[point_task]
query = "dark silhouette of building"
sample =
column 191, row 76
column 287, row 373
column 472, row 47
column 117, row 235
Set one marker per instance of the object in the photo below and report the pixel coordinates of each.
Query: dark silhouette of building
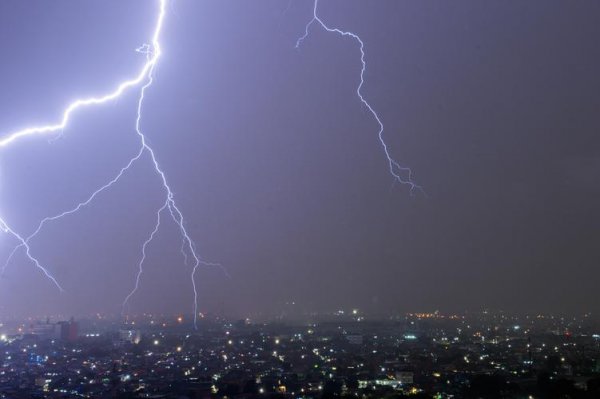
column 69, row 330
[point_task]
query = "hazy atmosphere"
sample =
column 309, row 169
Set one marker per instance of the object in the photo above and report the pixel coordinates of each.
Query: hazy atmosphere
column 277, row 166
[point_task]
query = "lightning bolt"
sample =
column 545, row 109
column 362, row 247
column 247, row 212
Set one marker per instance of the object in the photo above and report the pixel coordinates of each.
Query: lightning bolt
column 401, row 174
column 23, row 243
column 144, row 78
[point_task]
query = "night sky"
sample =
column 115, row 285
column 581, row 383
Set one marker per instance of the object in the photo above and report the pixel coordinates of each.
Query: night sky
column 276, row 164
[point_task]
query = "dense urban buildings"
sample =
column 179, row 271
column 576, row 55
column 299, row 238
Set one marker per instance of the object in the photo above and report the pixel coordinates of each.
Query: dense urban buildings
column 343, row 354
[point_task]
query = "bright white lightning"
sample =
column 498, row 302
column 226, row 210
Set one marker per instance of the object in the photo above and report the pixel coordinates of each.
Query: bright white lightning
column 153, row 52
column 121, row 88
column 145, row 76
column 400, row 173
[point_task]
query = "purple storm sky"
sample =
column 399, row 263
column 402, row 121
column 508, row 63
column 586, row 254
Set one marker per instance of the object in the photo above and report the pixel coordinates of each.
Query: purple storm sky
column 277, row 165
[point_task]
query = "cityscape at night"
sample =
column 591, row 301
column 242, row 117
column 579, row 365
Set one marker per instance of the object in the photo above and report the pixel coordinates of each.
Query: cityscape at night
column 299, row 199
column 341, row 354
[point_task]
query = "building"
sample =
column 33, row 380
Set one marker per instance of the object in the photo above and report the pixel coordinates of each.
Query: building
column 69, row 330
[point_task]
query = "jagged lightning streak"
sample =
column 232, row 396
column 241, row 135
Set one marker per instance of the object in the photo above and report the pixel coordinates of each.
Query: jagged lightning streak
column 152, row 52
column 401, row 174
column 23, row 243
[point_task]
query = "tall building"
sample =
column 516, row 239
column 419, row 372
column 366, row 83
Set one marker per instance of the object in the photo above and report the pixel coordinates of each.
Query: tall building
column 69, row 330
